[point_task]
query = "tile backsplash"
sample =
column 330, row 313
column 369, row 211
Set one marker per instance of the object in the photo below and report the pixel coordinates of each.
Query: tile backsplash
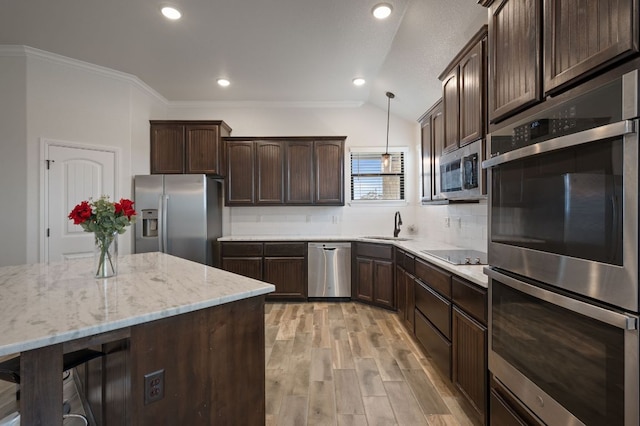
column 463, row 225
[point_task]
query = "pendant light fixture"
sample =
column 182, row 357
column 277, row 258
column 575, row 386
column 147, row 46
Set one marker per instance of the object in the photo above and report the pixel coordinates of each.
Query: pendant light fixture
column 386, row 157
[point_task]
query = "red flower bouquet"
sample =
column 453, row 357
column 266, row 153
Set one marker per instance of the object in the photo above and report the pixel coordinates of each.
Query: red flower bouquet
column 106, row 220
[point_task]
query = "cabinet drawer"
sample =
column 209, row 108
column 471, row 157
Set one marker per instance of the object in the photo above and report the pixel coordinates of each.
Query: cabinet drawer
column 241, row 249
column 472, row 299
column 434, row 307
column 501, row 414
column 409, row 263
column 436, row 278
column 507, row 410
column 381, row 251
column 285, row 249
column 247, row 266
column 400, row 258
column 434, row 343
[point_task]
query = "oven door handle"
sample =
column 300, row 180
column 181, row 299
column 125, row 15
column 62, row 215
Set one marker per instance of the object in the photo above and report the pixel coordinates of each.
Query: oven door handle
column 615, row 319
column 612, row 130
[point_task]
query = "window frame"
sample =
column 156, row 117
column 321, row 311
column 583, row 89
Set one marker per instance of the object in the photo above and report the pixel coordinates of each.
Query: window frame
column 379, row 151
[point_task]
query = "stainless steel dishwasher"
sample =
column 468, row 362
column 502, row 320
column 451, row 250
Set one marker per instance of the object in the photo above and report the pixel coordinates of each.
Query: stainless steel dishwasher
column 329, row 269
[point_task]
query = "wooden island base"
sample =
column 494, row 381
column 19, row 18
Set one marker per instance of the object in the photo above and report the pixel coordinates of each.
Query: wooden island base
column 213, row 361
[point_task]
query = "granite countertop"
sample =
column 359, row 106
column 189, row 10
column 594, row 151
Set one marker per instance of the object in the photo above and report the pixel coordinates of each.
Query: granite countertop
column 414, row 245
column 48, row 304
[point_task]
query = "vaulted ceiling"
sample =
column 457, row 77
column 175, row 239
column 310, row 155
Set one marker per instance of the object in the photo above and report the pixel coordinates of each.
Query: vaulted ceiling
column 275, row 52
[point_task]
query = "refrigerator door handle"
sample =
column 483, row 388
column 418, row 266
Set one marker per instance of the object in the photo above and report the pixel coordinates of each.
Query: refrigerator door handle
column 161, row 221
column 165, row 209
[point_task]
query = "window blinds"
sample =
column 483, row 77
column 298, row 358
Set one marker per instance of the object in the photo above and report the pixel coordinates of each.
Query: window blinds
column 368, row 182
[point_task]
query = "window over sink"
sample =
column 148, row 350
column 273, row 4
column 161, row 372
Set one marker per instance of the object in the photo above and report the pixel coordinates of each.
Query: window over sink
column 370, row 183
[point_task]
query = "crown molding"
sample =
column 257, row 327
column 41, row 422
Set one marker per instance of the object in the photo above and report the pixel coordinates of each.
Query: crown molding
column 26, row 51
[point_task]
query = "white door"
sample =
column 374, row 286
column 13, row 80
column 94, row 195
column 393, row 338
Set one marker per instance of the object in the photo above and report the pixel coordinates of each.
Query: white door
column 74, row 175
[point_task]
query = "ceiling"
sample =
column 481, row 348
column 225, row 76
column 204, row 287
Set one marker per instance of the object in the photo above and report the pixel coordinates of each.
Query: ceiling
column 275, row 52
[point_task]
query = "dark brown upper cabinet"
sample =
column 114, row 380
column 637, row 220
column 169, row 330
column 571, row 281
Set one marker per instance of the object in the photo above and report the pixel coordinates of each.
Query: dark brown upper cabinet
column 240, row 174
column 451, row 105
column 581, row 37
column 187, row 146
column 514, row 57
column 578, row 39
column 426, row 146
column 284, row 171
column 432, row 145
column 299, row 173
column 270, row 158
column 437, row 126
column 329, row 172
column 472, row 82
column 167, row 148
column 464, row 94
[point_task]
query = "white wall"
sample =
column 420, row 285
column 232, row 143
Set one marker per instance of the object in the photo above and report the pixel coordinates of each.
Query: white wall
column 13, row 160
column 76, row 102
column 364, row 126
column 467, row 224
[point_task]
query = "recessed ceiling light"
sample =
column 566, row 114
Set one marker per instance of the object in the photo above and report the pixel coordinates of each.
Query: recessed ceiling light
column 223, row 82
column 382, row 10
column 359, row 81
column 171, row 13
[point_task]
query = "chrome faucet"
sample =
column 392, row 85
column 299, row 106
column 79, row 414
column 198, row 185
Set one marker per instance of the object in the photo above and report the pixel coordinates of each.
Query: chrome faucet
column 397, row 221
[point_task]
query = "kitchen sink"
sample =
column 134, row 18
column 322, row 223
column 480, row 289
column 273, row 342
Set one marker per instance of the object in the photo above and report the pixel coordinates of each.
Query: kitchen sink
column 380, row 237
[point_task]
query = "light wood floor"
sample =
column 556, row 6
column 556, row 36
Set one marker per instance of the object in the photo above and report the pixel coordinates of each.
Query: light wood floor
column 350, row 364
column 338, row 364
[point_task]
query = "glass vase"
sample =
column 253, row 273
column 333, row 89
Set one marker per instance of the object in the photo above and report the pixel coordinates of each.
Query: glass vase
column 105, row 255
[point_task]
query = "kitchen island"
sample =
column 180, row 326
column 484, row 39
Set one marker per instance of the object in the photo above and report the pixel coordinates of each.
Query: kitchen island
column 201, row 326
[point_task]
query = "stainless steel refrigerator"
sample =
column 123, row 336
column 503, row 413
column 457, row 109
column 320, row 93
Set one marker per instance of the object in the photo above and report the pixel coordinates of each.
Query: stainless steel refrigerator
column 179, row 215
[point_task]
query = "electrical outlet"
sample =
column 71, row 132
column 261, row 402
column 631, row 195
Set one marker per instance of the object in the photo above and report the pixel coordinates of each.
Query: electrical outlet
column 447, row 222
column 153, row 386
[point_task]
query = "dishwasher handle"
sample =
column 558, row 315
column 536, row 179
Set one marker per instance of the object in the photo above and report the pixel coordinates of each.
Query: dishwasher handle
column 328, row 248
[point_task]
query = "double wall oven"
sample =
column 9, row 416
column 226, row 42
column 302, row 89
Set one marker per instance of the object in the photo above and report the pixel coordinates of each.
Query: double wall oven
column 563, row 255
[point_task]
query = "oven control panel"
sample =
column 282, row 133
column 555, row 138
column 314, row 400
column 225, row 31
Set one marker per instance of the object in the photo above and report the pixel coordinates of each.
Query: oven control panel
column 591, row 109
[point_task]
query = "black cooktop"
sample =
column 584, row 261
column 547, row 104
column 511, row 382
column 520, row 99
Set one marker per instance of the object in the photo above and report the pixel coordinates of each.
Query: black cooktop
column 460, row 256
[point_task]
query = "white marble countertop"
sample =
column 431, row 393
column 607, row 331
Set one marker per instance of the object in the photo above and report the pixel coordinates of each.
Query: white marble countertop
column 414, row 245
column 48, row 304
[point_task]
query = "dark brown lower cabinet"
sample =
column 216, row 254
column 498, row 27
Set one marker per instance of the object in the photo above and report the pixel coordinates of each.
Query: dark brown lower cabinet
column 470, row 359
column 433, row 325
column 364, row 279
column 401, row 293
column 448, row 317
column 374, row 275
column 374, row 282
column 436, row 345
column 411, row 302
column 383, row 289
column 434, row 307
column 242, row 258
column 213, row 361
column 288, row 274
column 405, row 293
column 283, row 264
column 249, row 267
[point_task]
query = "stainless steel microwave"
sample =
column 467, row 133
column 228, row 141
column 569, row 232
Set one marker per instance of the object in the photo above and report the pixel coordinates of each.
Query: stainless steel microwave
column 461, row 176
